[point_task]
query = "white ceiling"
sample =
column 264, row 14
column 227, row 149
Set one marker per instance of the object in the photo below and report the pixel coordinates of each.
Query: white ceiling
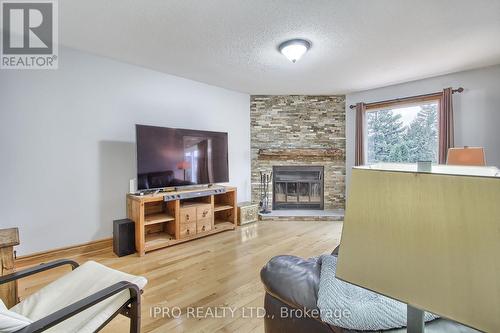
column 357, row 44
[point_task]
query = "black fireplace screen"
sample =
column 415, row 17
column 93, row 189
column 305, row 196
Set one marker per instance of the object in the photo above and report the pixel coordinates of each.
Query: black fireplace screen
column 298, row 187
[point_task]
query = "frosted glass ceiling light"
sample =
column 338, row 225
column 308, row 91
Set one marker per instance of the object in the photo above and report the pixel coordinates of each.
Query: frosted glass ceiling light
column 294, row 49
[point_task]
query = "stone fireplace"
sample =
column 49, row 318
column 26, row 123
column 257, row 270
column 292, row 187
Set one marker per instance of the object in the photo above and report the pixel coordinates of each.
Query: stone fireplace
column 298, row 187
column 291, row 134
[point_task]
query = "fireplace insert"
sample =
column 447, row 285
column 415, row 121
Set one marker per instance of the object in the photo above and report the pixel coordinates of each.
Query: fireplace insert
column 298, row 187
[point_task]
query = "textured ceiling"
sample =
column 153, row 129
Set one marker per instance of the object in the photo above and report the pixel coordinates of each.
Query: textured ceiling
column 357, row 45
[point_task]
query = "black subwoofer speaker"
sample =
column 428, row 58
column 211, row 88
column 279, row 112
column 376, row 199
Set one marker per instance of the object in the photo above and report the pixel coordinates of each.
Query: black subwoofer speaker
column 123, row 237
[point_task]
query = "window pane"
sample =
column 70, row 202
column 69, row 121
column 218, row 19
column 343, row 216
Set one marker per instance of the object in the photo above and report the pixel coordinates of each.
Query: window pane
column 403, row 134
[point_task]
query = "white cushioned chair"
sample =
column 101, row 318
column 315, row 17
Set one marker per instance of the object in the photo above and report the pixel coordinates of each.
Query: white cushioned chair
column 84, row 300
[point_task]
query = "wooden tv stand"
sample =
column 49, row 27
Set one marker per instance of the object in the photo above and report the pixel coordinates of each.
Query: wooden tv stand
column 159, row 224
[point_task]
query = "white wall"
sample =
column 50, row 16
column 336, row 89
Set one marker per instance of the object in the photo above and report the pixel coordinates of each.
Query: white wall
column 67, row 142
column 476, row 110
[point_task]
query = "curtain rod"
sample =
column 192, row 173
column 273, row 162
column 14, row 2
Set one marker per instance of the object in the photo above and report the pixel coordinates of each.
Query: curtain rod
column 396, row 100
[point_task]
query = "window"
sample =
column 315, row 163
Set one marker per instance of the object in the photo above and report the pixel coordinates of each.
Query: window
column 404, row 133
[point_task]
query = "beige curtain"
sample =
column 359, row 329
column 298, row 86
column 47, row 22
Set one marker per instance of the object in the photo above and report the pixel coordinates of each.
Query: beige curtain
column 360, row 120
column 446, row 129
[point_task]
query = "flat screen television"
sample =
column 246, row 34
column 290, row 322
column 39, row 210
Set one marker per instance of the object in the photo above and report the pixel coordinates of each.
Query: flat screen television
column 173, row 157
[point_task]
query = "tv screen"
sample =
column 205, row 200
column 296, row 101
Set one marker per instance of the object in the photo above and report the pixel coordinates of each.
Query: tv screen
column 172, row 157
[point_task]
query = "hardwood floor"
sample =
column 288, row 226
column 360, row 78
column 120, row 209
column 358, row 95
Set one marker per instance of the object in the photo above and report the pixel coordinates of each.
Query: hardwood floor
column 217, row 271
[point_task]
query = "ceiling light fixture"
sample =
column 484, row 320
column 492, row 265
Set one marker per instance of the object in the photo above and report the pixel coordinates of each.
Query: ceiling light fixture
column 294, row 49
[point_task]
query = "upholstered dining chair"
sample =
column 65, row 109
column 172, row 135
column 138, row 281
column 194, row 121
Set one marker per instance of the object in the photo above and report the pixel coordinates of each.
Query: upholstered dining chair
column 84, row 300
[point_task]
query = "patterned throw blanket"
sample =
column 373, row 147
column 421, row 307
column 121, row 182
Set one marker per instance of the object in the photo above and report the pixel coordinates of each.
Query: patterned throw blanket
column 345, row 305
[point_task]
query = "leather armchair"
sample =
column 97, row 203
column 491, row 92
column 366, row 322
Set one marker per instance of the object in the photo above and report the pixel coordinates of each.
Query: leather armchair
column 292, row 284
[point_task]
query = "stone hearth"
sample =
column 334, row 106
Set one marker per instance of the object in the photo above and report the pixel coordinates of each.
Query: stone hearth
column 304, row 215
column 300, row 131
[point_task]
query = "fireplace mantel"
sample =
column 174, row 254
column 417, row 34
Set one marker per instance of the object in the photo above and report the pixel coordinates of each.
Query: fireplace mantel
column 301, row 154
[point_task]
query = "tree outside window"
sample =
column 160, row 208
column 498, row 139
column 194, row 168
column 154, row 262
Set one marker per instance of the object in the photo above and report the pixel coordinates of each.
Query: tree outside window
column 403, row 133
